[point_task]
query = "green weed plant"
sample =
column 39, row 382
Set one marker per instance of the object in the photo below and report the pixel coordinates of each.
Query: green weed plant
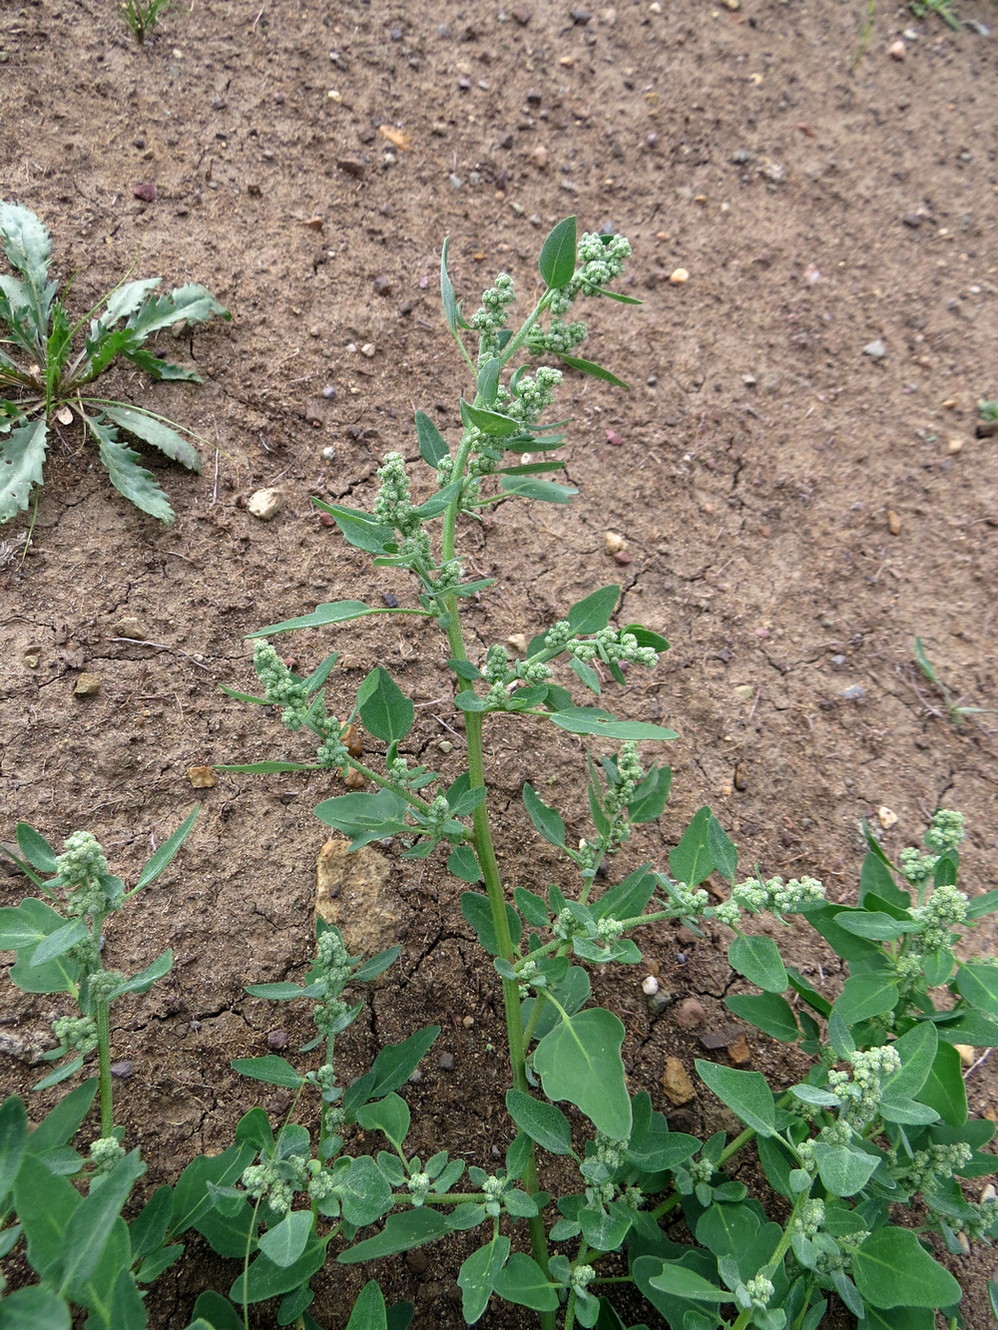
column 49, row 376
column 142, row 17
column 871, row 1155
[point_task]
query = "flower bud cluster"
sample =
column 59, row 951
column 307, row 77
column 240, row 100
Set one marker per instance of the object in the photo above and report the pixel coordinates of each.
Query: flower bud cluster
column 276, row 1181
column 105, row 1153
column 78, row 1033
column 775, row 895
column 916, row 866
column 686, row 901
column 559, row 338
column 491, row 317
column 80, row 869
column 530, row 395
column 610, row 645
column 861, row 1089
column 945, row 831
column 933, row 1165
column 320, row 1184
column 945, row 910
column 760, row 1290
column 281, row 689
column 810, row 1217
column 419, row 1186
column 492, row 1190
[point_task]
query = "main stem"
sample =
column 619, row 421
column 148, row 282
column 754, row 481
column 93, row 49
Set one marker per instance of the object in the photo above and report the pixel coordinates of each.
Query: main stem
column 102, row 1019
column 486, row 854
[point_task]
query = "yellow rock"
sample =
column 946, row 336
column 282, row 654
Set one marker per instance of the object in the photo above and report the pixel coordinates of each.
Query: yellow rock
column 676, row 1083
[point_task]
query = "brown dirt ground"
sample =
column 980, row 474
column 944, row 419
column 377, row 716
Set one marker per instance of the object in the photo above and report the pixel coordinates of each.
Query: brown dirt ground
column 795, row 511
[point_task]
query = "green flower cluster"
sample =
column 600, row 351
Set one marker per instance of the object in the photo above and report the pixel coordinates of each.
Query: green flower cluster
column 277, row 1181
column 945, row 910
column 611, row 646
column 105, row 1153
column 529, row 395
column 78, row 1033
column 334, row 966
column 945, row 831
column 490, row 318
column 282, row 689
column 80, row 869
column 774, row 895
column 394, row 507
column 862, row 1089
column 601, row 260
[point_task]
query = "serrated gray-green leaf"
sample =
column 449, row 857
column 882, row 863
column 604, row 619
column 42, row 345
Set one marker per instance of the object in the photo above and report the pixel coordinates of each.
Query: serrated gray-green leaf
column 22, row 459
column 28, row 246
column 128, row 478
column 156, row 432
column 126, row 299
column 192, row 303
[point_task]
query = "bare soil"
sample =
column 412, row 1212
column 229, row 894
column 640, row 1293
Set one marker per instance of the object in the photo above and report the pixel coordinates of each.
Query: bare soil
column 795, row 510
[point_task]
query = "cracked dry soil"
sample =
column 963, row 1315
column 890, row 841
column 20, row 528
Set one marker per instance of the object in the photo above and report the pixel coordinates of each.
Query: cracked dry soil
column 794, row 511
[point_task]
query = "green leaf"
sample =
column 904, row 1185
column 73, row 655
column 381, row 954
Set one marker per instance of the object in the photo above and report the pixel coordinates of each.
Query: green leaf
column 917, row 1051
column 265, row 1279
column 432, row 444
column 463, row 863
column 59, row 942
column 369, row 1312
column 477, row 1277
column 759, row 960
column 727, row 1230
column 191, row 1197
column 364, row 817
column 155, row 432
column 144, row 980
column 590, row 720
column 746, row 1093
column 680, row 1282
column 28, row 246
column 866, row 995
column 35, row 848
column 61, row 1123
column 767, row 1012
column 979, row 906
column 402, row 1232
column 390, row 1116
column 477, row 911
column 944, row 1088
column 593, row 612
column 595, row 371
column 13, row 1143
column 873, row 924
column 542, row 491
column 579, row 1061
column 546, row 820
column 271, row 1069
column 164, row 855
column 45, row 1204
column 396, row 1062
column 34, row 1308
column 90, row 1225
column 22, row 459
column 339, row 611
column 385, row 710
column 489, row 422
column 214, row 1311
column 360, row 529
column 893, row 1269
column 842, row 1169
column 128, row 478
column 877, row 879
column 978, row 983
column 851, row 948
column 286, row 1242
column 192, row 303
column 452, row 310
column 692, row 861
column 542, row 1122
column 521, row 1280
column 557, row 259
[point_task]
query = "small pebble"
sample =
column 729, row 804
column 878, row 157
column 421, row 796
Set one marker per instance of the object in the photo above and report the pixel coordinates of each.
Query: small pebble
column 676, row 1083
column 876, row 349
column 613, row 542
column 893, row 522
column 446, row 1061
column 202, row 778
column 854, row 693
column 897, row 50
column 121, row 1070
column 613, row 438
column 518, row 641
column 265, row 504
column 131, row 628
column 691, row 1014
column 678, row 276
column 739, row 1051
column 87, row 685
column 886, row 816
column 649, row 985
column 146, row 191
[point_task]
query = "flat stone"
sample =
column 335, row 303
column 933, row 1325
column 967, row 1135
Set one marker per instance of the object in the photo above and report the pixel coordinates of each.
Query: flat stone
column 676, row 1083
column 266, row 504
column 87, row 685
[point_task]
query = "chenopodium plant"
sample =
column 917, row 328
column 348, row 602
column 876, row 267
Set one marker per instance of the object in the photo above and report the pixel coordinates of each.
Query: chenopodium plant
column 60, row 1209
column 635, row 1175
column 51, row 377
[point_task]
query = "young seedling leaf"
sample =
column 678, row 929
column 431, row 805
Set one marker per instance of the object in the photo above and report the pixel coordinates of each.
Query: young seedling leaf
column 271, row 1069
column 557, row 260
column 402, row 1232
column 593, row 370
column 594, row 612
column 579, row 1061
column 28, row 246
column 866, row 995
column 155, row 432
column 684, row 1283
column 128, row 478
column 767, row 1012
column 22, row 460
column 746, row 1093
column 286, row 1242
column 432, row 444
column 692, row 860
column 360, row 529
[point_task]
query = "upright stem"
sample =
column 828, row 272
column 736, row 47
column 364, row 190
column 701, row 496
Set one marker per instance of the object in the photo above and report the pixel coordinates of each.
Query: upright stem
column 103, row 1022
